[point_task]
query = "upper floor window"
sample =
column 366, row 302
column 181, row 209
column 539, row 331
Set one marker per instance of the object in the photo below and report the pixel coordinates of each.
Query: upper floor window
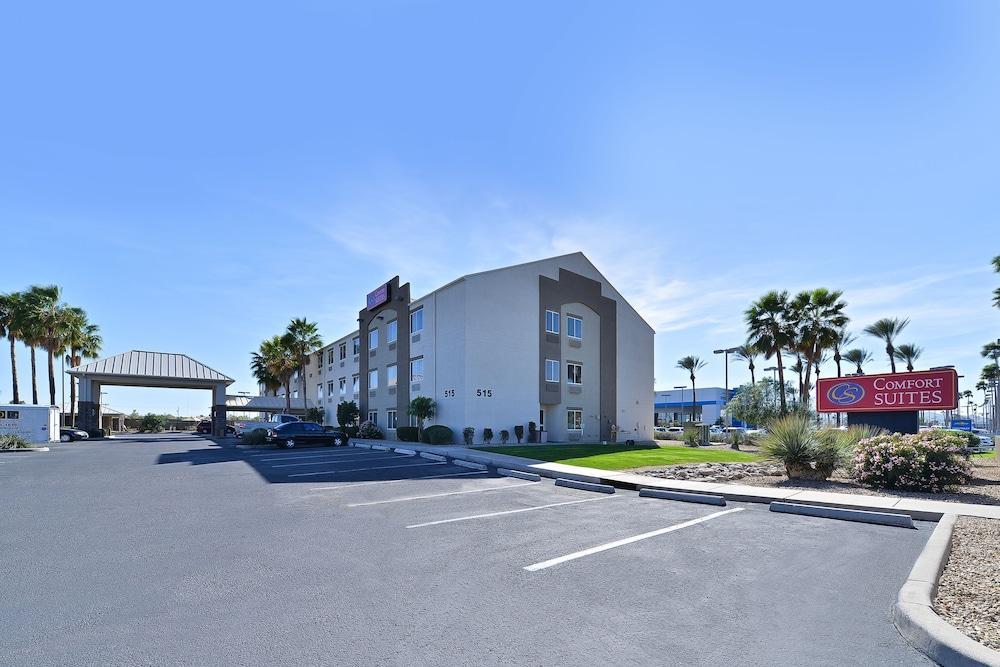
column 373, row 339
column 319, row 390
column 354, row 382
column 574, row 327
column 329, row 387
column 373, row 379
column 343, row 351
column 417, row 369
column 329, row 356
column 391, row 332
column 551, row 321
column 390, row 375
column 357, row 344
column 551, row 370
column 343, row 386
column 417, row 320
column 574, row 373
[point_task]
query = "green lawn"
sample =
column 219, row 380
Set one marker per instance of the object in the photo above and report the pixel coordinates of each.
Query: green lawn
column 620, row 457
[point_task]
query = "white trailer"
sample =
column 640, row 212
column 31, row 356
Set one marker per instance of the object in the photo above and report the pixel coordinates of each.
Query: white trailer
column 36, row 423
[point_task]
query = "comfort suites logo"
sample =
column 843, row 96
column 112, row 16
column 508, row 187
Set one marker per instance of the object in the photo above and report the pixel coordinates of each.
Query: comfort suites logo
column 845, row 393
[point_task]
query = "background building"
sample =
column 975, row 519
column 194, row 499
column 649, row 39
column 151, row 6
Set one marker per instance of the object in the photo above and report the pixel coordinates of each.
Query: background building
column 549, row 341
column 674, row 405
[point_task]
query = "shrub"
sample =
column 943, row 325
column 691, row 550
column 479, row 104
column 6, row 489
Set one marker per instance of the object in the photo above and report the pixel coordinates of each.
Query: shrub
column 807, row 453
column 256, row 437
column 151, row 424
column 407, row 433
column 347, row 413
column 14, row 441
column 928, row 461
column 468, row 434
column 370, row 431
column 661, row 436
column 488, row 435
column 519, row 432
column 438, row 435
column 314, row 414
column 504, row 436
column 691, row 438
column 351, row 431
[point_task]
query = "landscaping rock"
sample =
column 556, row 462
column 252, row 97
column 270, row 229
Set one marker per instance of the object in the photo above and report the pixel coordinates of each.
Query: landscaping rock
column 712, row 472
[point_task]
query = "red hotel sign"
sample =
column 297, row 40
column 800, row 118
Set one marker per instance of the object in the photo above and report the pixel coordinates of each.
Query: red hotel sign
column 378, row 297
column 920, row 390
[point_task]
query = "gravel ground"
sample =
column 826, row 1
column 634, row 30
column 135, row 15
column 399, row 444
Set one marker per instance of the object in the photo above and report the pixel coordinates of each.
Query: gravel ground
column 968, row 594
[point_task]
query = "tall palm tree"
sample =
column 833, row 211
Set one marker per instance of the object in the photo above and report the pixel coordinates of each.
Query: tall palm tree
column 909, row 353
column 263, row 371
column 83, row 341
column 767, row 331
column 967, row 395
column 842, row 341
column 11, row 306
column 819, row 317
column 692, row 365
column 996, row 292
column 888, row 329
column 302, row 339
column 31, row 328
column 859, row 358
column 747, row 353
column 52, row 321
column 280, row 364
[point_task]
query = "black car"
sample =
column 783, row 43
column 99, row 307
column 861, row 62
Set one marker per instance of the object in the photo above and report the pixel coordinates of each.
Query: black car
column 68, row 434
column 305, row 434
column 205, row 427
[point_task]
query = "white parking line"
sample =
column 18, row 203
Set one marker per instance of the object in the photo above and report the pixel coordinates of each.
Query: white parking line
column 334, row 462
column 326, row 472
column 518, row 511
column 352, row 485
column 292, row 454
column 627, row 540
column 439, row 495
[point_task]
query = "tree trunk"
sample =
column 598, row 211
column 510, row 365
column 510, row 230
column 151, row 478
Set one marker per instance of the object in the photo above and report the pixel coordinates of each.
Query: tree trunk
column 302, row 381
column 694, row 399
column 34, row 378
column 13, row 372
column 892, row 360
column 837, row 358
column 752, row 379
column 72, row 401
column 52, row 377
column 288, row 397
column 781, row 381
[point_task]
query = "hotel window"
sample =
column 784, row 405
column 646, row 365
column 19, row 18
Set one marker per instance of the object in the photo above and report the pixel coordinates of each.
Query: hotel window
column 319, row 390
column 574, row 373
column 417, row 320
column 329, row 356
column 373, row 416
column 574, row 327
column 354, row 381
column 551, row 322
column 574, row 420
column 390, row 420
column 357, row 344
column 343, row 387
column 373, row 339
column 390, row 375
column 329, row 387
column 551, row 370
column 414, row 422
column 417, row 369
column 391, row 332
column 343, row 351
column 373, row 379
column 295, row 394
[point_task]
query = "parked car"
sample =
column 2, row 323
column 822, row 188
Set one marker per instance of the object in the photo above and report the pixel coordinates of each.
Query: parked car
column 274, row 422
column 205, row 426
column 675, row 429
column 659, row 429
column 986, row 443
column 69, row 434
column 305, row 434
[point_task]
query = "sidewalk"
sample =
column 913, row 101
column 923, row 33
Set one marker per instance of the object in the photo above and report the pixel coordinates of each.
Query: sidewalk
column 926, row 510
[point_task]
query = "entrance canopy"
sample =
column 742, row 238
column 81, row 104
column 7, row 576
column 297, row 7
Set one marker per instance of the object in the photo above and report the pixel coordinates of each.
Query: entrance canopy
column 139, row 368
column 271, row 404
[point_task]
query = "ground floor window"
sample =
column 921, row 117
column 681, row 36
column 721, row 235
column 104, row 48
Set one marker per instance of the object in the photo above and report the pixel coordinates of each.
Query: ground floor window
column 390, row 420
column 329, row 388
column 373, row 416
column 574, row 419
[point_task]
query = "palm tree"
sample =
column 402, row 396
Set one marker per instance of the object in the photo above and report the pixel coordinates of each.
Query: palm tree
column 262, row 372
column 859, row 358
column 996, row 292
column 692, row 365
column 52, row 321
column 819, row 318
column 888, row 328
column 302, row 339
column 842, row 340
column 909, row 353
column 967, row 395
column 747, row 353
column 421, row 407
column 10, row 315
column 83, row 340
column 767, row 331
column 275, row 356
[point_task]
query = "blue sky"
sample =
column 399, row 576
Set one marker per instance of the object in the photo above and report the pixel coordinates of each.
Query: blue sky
column 195, row 174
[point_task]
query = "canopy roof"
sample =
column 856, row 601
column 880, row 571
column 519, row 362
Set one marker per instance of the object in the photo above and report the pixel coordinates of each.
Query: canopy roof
column 143, row 368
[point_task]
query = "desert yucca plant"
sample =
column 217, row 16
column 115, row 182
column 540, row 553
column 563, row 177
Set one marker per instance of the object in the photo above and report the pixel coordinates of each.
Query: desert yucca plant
column 806, row 452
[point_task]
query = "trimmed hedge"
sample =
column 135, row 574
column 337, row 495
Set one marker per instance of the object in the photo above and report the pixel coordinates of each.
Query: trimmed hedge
column 407, row 433
column 438, row 435
column 256, row 437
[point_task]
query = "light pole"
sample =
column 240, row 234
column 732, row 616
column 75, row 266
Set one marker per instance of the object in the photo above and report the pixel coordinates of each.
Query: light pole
column 726, row 351
column 774, row 376
column 681, row 387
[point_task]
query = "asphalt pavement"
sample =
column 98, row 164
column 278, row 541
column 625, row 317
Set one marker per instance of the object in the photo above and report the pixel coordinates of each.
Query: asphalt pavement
column 173, row 549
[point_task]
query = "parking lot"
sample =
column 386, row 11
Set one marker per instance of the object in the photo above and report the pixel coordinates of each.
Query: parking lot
column 172, row 549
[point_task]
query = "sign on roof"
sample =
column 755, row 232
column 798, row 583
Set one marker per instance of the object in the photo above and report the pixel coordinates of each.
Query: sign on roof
column 920, row 390
column 378, row 297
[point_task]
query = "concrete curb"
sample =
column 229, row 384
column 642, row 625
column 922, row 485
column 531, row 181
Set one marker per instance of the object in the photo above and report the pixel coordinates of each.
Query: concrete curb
column 469, row 464
column 862, row 516
column 703, row 498
column 584, row 486
column 401, row 450
column 383, row 448
column 432, row 457
column 530, row 476
column 24, row 450
column 914, row 614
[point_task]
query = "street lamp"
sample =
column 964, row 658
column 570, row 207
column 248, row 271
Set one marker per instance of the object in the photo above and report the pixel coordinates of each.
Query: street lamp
column 726, row 351
column 774, row 375
column 682, row 387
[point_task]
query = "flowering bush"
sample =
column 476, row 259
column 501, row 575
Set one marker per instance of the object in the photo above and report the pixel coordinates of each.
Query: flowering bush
column 928, row 461
column 370, row 431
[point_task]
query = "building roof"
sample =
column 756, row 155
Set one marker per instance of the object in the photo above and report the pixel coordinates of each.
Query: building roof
column 140, row 363
column 238, row 402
